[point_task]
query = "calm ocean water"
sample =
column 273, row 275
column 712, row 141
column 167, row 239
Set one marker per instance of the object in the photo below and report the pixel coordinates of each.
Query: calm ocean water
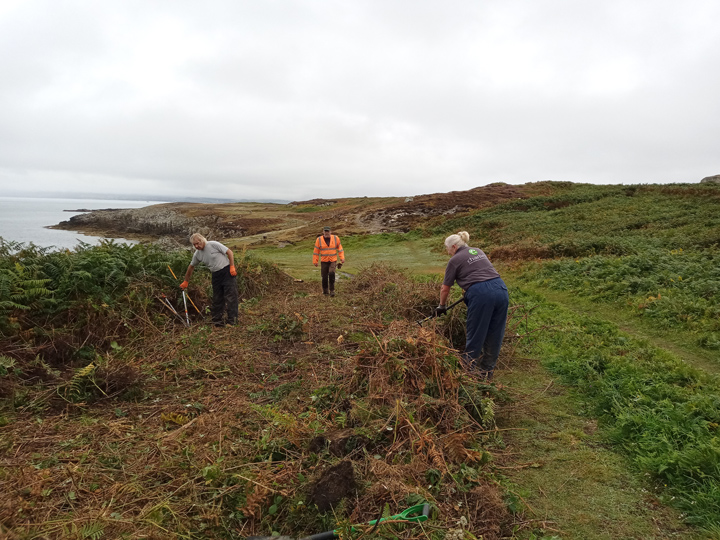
column 24, row 219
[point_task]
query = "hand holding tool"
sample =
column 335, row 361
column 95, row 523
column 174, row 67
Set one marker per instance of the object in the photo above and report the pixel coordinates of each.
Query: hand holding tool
column 440, row 310
column 184, row 285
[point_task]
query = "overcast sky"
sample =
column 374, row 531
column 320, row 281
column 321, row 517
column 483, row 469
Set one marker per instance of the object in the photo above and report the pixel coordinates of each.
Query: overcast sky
column 296, row 99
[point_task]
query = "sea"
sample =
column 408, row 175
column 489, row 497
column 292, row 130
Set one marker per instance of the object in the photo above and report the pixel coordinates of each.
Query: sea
column 26, row 220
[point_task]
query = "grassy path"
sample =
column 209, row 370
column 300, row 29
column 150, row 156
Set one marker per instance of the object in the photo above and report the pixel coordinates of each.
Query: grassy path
column 572, row 474
column 417, row 255
column 573, row 485
column 676, row 342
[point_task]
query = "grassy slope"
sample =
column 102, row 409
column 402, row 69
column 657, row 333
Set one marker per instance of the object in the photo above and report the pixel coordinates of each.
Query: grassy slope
column 580, row 487
column 682, row 344
column 582, row 221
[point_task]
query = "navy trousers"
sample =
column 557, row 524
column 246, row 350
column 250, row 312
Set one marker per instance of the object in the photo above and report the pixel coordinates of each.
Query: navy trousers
column 225, row 297
column 487, row 306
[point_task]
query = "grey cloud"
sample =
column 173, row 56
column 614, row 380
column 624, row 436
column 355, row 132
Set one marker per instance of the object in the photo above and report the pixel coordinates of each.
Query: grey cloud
column 370, row 98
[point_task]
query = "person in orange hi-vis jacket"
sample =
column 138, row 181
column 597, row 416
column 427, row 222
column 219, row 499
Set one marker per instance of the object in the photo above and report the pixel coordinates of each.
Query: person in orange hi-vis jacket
column 327, row 250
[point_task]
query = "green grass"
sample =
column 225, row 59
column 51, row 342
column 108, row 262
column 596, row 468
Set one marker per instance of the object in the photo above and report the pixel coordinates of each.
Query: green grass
column 410, row 251
column 663, row 414
column 675, row 289
column 626, row 317
column 573, row 484
column 589, row 220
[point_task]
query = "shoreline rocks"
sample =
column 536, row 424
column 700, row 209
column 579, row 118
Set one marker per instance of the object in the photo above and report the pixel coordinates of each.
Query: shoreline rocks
column 156, row 221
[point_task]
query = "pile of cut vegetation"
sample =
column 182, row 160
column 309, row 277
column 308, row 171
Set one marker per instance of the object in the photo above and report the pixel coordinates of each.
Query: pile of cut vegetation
column 313, row 414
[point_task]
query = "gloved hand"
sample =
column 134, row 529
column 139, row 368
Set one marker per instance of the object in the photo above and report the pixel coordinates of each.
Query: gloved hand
column 233, row 272
column 440, row 310
column 339, row 266
column 184, row 285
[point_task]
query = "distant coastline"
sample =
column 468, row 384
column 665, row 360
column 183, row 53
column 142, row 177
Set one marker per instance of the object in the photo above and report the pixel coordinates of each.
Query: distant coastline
column 151, row 199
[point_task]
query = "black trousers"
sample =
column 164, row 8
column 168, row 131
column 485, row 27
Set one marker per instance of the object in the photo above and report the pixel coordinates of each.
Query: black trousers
column 327, row 272
column 225, row 296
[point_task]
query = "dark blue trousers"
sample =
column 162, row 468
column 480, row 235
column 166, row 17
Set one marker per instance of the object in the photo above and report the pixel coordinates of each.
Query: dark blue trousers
column 487, row 306
column 225, row 297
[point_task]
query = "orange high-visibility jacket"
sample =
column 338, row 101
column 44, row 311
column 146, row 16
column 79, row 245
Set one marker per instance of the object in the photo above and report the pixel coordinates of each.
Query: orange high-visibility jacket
column 328, row 253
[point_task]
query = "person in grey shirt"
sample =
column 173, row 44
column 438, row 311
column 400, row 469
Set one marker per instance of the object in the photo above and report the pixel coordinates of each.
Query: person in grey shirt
column 219, row 259
column 487, row 302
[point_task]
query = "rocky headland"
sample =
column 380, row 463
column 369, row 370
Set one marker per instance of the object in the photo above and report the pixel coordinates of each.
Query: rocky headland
column 256, row 223
column 150, row 222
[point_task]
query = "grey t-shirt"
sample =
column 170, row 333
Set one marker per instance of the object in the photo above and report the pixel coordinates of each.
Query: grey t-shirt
column 213, row 255
column 469, row 265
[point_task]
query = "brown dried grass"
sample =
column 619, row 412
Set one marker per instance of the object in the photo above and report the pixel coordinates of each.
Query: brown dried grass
column 223, row 429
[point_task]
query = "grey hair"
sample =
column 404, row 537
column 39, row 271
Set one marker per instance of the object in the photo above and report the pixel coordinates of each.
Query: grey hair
column 197, row 236
column 460, row 239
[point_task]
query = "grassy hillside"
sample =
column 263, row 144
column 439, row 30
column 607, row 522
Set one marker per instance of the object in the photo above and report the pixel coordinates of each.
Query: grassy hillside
column 648, row 253
column 117, row 421
column 653, row 250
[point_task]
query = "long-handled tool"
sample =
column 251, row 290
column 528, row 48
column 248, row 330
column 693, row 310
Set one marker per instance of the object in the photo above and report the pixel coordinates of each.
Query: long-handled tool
column 426, row 319
column 166, row 302
column 414, row 514
column 186, row 313
column 188, row 294
column 193, row 303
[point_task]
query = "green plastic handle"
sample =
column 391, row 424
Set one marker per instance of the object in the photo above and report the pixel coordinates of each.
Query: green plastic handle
column 414, row 514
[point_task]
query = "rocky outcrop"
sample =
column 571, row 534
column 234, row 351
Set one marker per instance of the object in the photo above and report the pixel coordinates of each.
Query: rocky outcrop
column 402, row 217
column 711, row 179
column 156, row 220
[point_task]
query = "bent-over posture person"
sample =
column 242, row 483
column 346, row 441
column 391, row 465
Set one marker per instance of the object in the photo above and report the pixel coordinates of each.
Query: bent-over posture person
column 327, row 249
column 219, row 259
column 487, row 302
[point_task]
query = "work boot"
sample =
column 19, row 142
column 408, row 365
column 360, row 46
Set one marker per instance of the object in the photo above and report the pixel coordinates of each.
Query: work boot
column 325, row 291
column 485, row 375
column 332, row 292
